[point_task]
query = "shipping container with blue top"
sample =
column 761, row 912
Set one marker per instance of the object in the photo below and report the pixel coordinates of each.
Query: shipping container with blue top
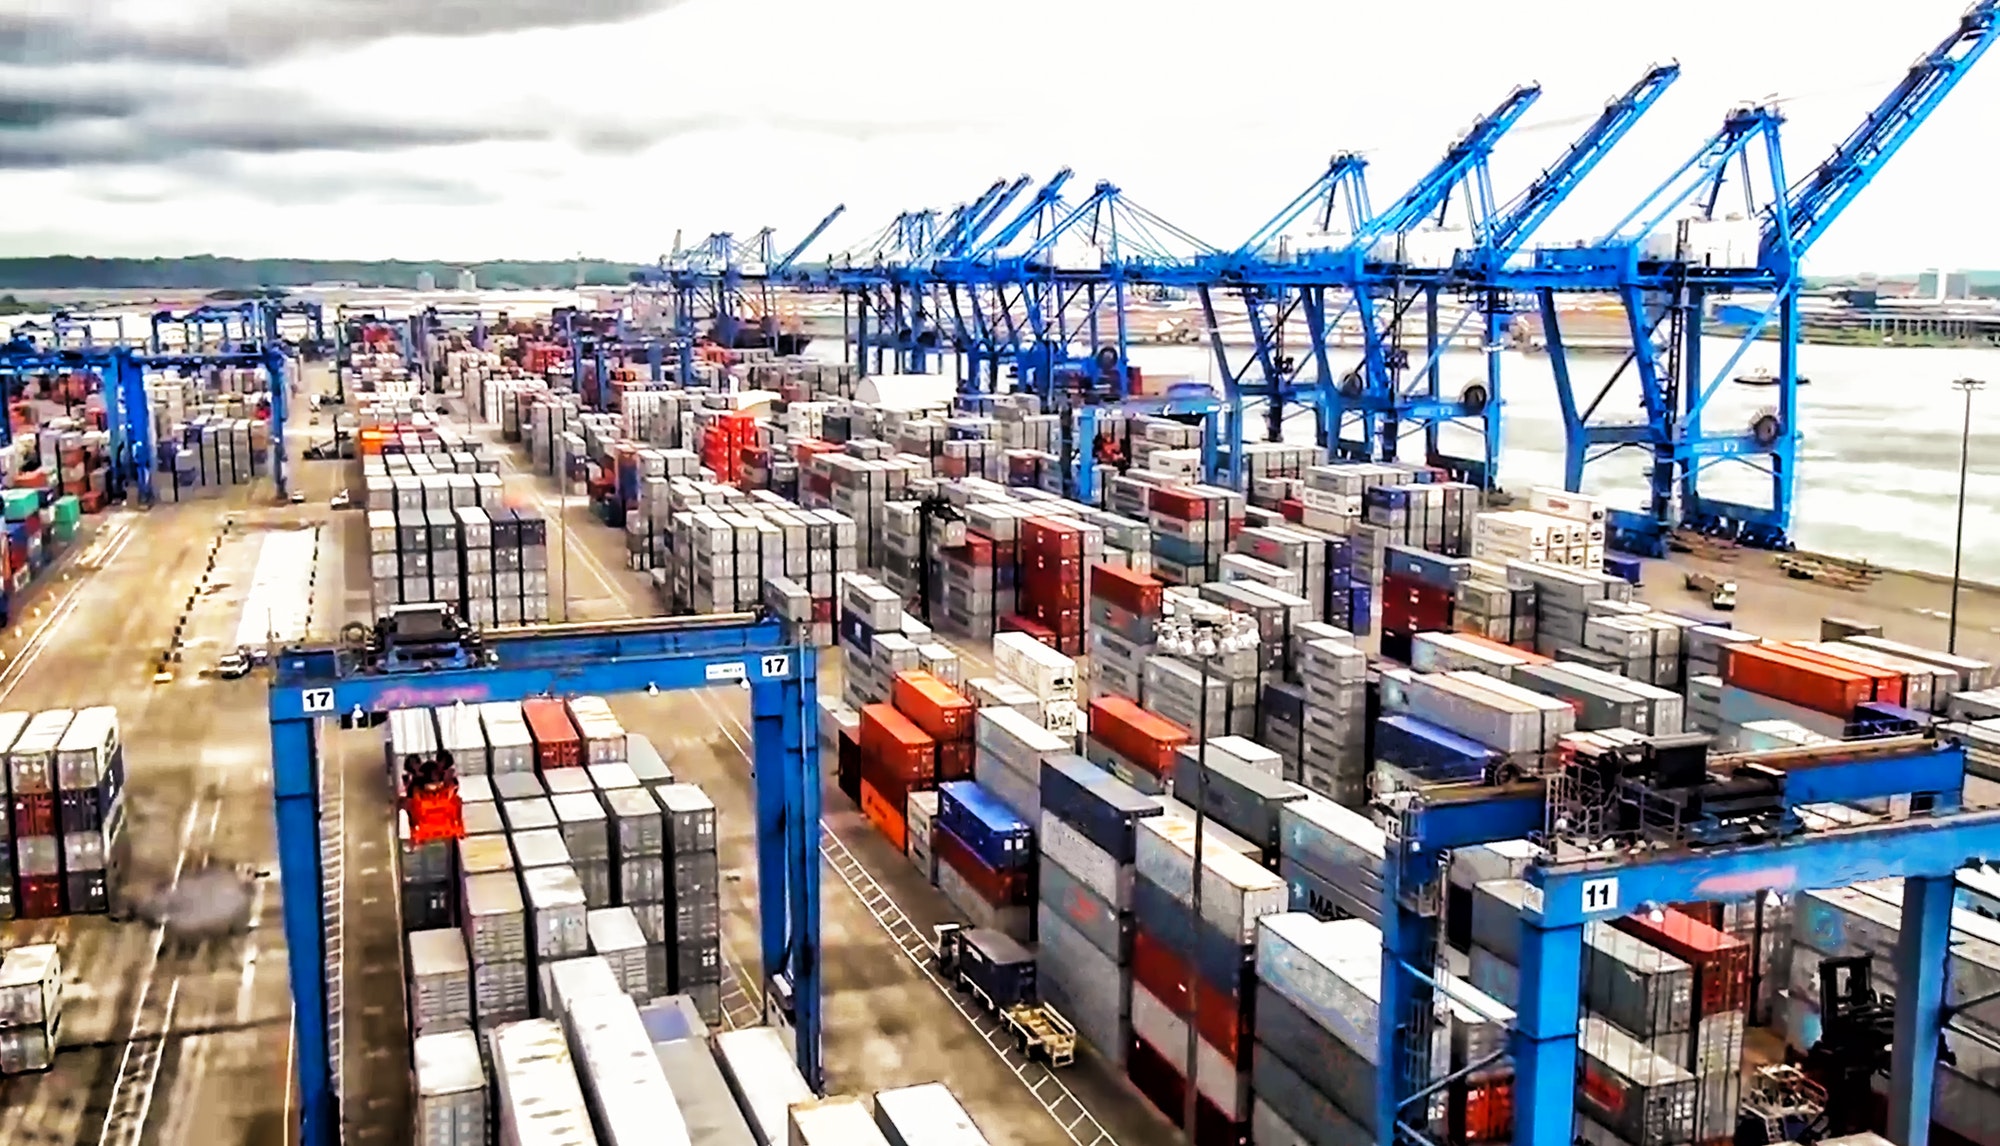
column 1003, row 840
column 1100, row 806
column 1424, row 749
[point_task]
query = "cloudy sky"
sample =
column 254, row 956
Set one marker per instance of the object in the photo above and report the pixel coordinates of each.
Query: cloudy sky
column 468, row 129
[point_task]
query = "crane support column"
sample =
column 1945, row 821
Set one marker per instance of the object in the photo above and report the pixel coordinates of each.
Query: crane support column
column 788, row 809
column 295, row 789
column 1921, row 948
column 1544, row 1044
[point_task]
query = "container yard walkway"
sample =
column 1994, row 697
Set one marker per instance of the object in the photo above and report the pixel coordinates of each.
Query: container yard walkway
column 885, row 1025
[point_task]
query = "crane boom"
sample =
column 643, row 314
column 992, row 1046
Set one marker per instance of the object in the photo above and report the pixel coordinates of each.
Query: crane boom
column 1472, row 149
column 1517, row 221
column 1814, row 202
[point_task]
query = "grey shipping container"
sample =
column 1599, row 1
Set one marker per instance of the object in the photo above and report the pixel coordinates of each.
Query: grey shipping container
column 1109, row 930
column 1322, row 1061
column 707, row 1106
column 764, row 1078
column 451, row 1090
column 1302, row 1109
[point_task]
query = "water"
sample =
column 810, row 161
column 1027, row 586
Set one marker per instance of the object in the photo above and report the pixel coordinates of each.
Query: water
column 1878, row 468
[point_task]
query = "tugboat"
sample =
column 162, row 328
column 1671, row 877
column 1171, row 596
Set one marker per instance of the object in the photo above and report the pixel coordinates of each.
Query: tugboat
column 1763, row 377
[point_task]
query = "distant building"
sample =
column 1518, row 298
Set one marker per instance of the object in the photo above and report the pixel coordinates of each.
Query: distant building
column 426, row 282
column 467, row 282
column 1944, row 286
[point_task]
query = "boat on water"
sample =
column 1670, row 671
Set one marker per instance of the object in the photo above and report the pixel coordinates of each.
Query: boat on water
column 1762, row 377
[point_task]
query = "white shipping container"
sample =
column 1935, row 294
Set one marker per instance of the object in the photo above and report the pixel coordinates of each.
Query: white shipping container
column 565, row 981
column 926, row 1115
column 833, row 1121
column 541, row 1100
column 509, row 745
column 31, row 986
column 764, row 1077
column 556, row 911
column 603, row 735
column 615, row 937
column 1449, row 702
column 621, row 1076
column 1016, row 741
column 493, row 918
column 1036, row 667
column 440, row 982
column 1332, row 972
column 451, row 1090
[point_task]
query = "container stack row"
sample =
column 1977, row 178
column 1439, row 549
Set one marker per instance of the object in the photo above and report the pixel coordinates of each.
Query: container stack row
column 493, row 567
column 209, row 455
column 31, row 1007
column 64, row 849
column 421, row 468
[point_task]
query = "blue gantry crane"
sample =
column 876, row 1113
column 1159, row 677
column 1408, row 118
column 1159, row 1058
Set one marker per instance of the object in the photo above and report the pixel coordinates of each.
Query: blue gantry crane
column 360, row 684
column 1683, row 248
column 1598, row 871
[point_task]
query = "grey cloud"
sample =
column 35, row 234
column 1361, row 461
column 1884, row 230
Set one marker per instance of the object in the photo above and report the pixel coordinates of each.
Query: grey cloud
column 238, row 33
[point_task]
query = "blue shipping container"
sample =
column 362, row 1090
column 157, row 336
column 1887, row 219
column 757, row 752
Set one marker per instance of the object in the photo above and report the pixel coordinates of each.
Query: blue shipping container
column 1423, row 748
column 1621, row 566
column 1001, row 839
column 1430, row 568
column 855, row 633
column 1100, row 806
column 1285, row 701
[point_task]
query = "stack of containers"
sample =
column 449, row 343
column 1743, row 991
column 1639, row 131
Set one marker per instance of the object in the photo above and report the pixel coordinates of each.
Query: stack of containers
column 1088, row 838
column 490, row 564
column 1317, row 1039
column 1586, row 515
column 1333, row 750
column 943, row 715
column 1717, row 1019
column 1192, row 526
column 1418, row 588
column 494, row 918
column 1331, row 860
column 693, row 940
column 1054, row 556
column 30, row 1007
column 1125, row 607
column 638, row 868
column 1050, row 675
column 1487, row 605
column 868, row 612
column 897, row 758
column 920, row 819
column 52, row 862
column 1008, row 756
column 1193, row 967
column 440, row 987
column 985, row 859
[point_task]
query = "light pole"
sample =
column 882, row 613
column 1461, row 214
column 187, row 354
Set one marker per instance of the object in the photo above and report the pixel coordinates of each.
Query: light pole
column 1967, row 387
column 1203, row 638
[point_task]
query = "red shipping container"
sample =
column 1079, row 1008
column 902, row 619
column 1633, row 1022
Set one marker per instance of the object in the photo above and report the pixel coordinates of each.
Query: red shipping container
column 897, row 745
column 1047, row 537
column 1721, row 962
column 932, row 705
column 954, row 761
column 886, row 819
column 1888, row 682
column 1146, row 739
column 1155, row 1077
column 1140, row 593
column 557, row 744
column 41, row 896
column 1020, row 623
column 1293, row 510
column 1223, row 1021
column 1178, row 501
column 34, row 814
column 1781, row 675
column 999, row 888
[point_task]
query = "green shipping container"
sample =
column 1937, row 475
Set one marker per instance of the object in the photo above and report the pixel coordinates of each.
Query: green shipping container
column 19, row 504
column 69, row 510
column 63, row 531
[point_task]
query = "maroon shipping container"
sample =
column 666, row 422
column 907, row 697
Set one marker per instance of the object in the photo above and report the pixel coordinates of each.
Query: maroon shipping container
column 954, row 761
column 34, row 815
column 1175, row 501
column 1155, row 1077
column 999, row 888
column 1139, row 593
column 41, row 896
column 1223, row 1019
column 1409, row 606
column 557, row 744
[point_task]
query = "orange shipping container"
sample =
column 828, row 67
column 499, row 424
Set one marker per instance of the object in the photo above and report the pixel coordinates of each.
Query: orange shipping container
column 1775, row 673
column 932, row 705
column 1145, row 739
column 886, row 819
column 1888, row 682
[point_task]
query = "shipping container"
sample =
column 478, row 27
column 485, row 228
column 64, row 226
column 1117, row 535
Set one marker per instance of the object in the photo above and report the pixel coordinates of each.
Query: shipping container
column 998, row 887
column 626, row 1090
column 540, row 1098
column 90, row 755
column 1721, row 962
column 556, row 912
column 998, row 966
column 1002, row 840
column 1789, row 677
column 451, row 1090
column 713, row 1118
column 648, row 766
column 556, row 743
column 1886, row 684
column 927, row 1114
column 1097, row 805
column 1244, row 799
column 1641, row 1097
column 1235, row 890
column 440, row 982
column 764, row 1077
column 31, row 761
column 932, row 705
column 510, row 745
column 839, row 1120
column 603, row 735
column 461, row 734
column 1146, row 739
